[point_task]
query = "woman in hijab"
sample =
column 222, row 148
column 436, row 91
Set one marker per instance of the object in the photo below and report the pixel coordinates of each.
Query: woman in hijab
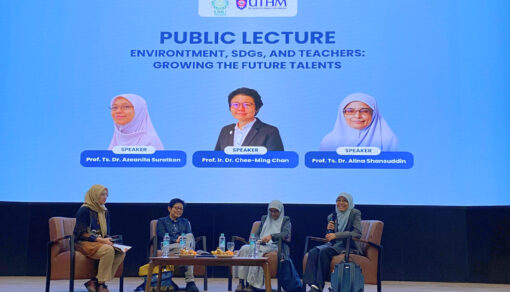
column 359, row 123
column 132, row 123
column 275, row 225
column 92, row 239
column 343, row 223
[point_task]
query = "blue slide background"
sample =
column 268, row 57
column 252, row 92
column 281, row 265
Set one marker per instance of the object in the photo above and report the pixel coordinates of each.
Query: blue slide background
column 438, row 69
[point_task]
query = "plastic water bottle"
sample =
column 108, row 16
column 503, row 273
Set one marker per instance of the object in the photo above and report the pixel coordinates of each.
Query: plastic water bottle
column 183, row 241
column 165, row 245
column 253, row 252
column 221, row 244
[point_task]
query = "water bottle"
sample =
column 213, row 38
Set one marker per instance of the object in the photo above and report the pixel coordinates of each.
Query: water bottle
column 221, row 244
column 253, row 252
column 257, row 248
column 165, row 245
column 183, row 241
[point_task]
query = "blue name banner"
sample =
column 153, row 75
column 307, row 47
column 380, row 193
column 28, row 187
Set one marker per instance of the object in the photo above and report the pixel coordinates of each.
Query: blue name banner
column 272, row 159
column 385, row 160
column 106, row 158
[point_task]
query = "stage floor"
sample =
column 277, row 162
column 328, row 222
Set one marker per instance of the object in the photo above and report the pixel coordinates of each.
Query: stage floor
column 12, row 284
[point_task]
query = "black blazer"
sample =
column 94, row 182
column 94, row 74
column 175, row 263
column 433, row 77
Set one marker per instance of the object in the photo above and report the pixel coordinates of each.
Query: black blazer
column 353, row 228
column 261, row 134
column 87, row 224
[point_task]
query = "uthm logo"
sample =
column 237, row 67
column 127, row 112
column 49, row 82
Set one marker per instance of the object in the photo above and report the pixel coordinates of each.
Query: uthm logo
column 266, row 3
column 241, row 4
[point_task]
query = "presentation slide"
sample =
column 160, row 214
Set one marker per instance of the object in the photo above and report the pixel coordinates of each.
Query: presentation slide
column 245, row 101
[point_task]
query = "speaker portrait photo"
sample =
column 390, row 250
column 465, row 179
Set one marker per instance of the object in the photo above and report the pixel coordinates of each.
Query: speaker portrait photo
column 359, row 124
column 132, row 124
column 244, row 104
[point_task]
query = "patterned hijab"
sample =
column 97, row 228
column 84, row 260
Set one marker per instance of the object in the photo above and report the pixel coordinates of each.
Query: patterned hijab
column 272, row 226
column 343, row 217
column 92, row 202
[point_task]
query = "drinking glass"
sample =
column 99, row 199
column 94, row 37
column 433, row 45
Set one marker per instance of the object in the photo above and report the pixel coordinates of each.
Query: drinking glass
column 230, row 246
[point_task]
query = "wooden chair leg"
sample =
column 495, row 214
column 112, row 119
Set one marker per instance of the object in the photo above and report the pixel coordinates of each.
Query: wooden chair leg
column 229, row 278
column 205, row 278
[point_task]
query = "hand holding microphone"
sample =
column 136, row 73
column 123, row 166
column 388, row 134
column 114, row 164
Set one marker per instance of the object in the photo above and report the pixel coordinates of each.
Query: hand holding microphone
column 331, row 224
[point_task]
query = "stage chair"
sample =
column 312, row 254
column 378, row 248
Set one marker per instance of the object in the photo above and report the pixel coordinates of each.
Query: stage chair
column 370, row 243
column 63, row 261
column 272, row 256
column 153, row 250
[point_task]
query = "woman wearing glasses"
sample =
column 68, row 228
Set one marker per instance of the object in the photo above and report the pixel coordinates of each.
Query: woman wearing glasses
column 132, row 123
column 344, row 223
column 359, row 123
column 274, row 226
column 244, row 104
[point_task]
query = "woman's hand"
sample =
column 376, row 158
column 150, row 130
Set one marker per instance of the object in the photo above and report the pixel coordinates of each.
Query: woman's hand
column 331, row 225
column 266, row 238
column 178, row 239
column 330, row 236
column 104, row 240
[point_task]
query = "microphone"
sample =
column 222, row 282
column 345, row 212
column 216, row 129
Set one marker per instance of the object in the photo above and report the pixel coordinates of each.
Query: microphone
column 333, row 218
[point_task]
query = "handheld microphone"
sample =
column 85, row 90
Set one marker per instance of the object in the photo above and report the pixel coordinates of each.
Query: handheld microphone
column 333, row 218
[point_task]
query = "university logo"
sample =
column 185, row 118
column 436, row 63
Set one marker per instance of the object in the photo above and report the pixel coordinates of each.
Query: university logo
column 247, row 8
column 266, row 4
column 220, row 7
column 241, row 4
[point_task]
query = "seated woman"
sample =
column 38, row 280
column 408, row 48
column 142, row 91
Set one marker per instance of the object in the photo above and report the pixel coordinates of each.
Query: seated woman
column 359, row 124
column 347, row 223
column 274, row 226
column 92, row 239
column 132, row 123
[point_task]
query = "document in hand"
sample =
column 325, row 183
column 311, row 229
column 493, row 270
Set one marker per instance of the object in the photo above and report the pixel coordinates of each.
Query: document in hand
column 121, row 247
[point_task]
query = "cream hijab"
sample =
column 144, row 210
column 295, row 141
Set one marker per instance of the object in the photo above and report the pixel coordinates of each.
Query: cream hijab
column 272, row 226
column 92, row 202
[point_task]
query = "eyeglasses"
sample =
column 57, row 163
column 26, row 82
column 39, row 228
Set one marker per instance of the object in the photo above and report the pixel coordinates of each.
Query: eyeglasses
column 236, row 105
column 122, row 107
column 178, row 208
column 352, row 111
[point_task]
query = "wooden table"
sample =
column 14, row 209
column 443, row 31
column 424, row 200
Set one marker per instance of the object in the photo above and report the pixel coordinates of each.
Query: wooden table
column 207, row 261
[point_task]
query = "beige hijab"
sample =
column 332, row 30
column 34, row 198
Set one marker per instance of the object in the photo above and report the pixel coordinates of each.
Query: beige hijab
column 92, row 202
